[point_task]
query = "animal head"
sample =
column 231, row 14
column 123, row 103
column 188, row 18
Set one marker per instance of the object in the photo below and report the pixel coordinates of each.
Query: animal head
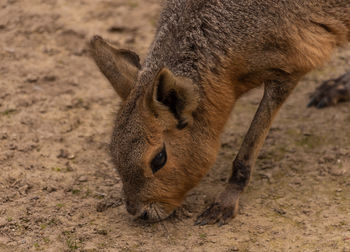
column 154, row 147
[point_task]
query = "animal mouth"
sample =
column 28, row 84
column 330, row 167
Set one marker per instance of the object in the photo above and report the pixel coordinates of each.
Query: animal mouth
column 144, row 216
column 153, row 212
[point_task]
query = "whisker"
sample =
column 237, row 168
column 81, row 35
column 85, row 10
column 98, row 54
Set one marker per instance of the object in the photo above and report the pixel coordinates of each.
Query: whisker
column 162, row 223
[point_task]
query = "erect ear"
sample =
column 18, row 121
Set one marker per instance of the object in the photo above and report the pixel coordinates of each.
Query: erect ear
column 177, row 95
column 120, row 66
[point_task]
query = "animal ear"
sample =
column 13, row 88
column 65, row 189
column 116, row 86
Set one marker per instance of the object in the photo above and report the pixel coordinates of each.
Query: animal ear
column 178, row 95
column 120, row 66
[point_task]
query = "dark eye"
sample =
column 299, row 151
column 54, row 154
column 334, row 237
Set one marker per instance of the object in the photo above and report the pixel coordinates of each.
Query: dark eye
column 159, row 161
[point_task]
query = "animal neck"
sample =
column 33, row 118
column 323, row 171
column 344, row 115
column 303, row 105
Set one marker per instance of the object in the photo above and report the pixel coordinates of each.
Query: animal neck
column 218, row 97
column 206, row 68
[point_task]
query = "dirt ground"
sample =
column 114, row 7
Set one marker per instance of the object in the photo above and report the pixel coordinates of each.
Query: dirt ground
column 59, row 190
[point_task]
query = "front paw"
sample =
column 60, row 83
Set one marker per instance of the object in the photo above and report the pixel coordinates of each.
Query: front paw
column 218, row 213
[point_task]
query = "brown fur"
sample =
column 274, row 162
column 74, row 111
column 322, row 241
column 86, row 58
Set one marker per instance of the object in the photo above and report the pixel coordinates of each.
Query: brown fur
column 207, row 54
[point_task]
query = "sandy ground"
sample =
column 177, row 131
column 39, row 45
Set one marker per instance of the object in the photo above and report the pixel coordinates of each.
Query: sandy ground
column 58, row 188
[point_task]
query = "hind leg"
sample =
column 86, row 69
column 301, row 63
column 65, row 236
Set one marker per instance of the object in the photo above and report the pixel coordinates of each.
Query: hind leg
column 331, row 92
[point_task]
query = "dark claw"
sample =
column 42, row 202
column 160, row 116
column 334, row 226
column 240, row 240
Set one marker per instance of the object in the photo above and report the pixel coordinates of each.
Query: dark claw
column 313, row 102
column 221, row 223
column 201, row 218
column 322, row 104
column 203, row 223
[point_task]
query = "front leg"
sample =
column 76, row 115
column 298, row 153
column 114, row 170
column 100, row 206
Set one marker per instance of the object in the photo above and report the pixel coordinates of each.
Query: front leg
column 225, row 206
column 331, row 92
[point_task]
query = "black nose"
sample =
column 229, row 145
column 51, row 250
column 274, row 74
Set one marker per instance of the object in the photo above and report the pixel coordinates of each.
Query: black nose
column 131, row 207
column 144, row 215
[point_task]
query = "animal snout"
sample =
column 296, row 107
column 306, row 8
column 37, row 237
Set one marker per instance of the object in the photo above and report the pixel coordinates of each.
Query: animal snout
column 131, row 207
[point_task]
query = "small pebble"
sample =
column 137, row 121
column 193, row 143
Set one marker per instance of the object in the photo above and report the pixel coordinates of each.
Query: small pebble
column 82, row 179
column 32, row 79
column 101, row 232
column 50, row 78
